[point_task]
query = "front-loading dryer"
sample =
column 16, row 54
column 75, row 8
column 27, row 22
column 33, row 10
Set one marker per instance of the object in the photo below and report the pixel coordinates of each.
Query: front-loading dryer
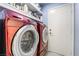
column 19, row 34
column 43, row 38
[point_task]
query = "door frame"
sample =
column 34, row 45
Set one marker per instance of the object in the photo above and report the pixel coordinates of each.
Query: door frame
column 73, row 19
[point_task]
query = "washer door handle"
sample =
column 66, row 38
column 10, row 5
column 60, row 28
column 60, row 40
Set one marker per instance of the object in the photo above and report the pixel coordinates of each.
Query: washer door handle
column 17, row 17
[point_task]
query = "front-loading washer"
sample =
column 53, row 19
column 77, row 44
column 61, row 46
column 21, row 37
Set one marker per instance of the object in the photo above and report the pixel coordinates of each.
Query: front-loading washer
column 19, row 34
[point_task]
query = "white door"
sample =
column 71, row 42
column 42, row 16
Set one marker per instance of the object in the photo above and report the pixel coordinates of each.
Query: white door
column 61, row 29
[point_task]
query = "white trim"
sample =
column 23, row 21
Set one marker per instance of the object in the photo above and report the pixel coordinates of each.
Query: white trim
column 73, row 40
column 15, row 46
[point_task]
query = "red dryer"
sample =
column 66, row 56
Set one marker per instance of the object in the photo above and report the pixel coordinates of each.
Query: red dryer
column 43, row 38
column 19, row 36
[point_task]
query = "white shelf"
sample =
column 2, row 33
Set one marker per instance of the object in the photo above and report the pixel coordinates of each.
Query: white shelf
column 34, row 8
column 7, row 6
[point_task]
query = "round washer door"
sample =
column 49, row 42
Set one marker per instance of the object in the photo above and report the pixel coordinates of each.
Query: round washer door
column 25, row 41
column 45, row 35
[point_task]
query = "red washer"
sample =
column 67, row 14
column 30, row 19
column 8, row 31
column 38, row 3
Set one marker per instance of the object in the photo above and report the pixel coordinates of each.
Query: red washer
column 43, row 38
column 20, row 32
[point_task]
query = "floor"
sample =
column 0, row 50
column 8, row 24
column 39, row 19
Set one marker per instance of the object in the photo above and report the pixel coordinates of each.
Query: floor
column 53, row 54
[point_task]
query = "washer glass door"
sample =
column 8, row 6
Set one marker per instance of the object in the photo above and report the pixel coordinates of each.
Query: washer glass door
column 45, row 35
column 25, row 41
